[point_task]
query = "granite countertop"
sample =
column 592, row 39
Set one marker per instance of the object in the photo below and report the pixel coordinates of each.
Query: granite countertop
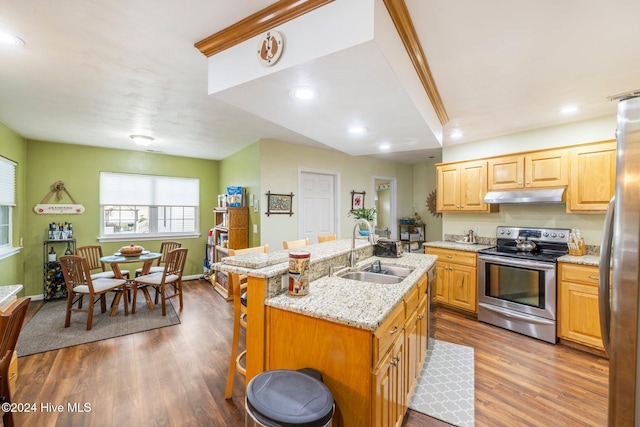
column 469, row 247
column 7, row 293
column 584, row 259
column 355, row 303
column 274, row 263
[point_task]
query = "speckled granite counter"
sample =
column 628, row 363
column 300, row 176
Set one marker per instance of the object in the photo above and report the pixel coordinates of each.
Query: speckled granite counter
column 7, row 293
column 457, row 246
column 584, row 259
column 354, row 303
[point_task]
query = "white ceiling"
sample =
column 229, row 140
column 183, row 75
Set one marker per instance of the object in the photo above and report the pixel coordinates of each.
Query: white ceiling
column 94, row 72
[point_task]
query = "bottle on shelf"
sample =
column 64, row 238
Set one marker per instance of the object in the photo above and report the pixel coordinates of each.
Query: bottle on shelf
column 70, row 231
column 52, row 255
column 68, row 250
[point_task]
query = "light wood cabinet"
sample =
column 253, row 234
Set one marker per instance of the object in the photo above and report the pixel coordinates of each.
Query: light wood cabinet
column 549, row 168
column 456, row 281
column 461, row 187
column 231, row 231
column 593, row 177
column 578, row 313
column 370, row 374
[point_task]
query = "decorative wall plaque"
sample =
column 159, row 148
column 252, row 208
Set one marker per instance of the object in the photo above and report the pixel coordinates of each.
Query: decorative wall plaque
column 270, row 48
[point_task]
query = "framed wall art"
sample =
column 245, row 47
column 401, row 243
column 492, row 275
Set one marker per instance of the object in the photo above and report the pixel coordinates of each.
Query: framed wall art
column 279, row 203
column 357, row 200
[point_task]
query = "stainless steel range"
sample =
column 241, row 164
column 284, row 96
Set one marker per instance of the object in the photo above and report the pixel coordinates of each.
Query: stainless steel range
column 517, row 280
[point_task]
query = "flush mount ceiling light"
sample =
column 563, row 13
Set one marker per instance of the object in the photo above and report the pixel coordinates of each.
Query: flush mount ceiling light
column 303, row 93
column 143, row 140
column 357, row 130
column 10, row 39
column 455, row 134
column 570, row 109
column 385, row 146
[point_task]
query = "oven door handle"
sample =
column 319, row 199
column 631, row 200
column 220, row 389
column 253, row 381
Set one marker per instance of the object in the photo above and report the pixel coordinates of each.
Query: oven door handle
column 510, row 314
column 517, row 262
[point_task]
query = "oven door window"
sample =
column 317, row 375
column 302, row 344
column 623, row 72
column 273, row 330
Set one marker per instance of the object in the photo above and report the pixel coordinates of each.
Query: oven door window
column 515, row 284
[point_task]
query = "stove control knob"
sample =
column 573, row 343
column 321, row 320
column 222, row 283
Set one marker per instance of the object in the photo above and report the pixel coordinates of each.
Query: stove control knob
column 561, row 235
column 501, row 231
column 508, row 232
column 553, row 234
column 545, row 234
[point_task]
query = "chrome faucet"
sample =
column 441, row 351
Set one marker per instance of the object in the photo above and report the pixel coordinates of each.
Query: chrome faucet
column 354, row 258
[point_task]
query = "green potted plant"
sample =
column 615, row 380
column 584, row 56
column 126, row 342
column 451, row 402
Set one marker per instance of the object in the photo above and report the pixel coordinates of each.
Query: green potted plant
column 364, row 213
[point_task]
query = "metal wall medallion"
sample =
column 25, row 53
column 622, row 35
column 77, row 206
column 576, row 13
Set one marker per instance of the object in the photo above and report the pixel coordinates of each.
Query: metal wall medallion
column 270, row 48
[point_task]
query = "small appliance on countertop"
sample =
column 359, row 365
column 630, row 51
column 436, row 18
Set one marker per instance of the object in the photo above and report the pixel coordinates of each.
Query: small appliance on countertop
column 388, row 248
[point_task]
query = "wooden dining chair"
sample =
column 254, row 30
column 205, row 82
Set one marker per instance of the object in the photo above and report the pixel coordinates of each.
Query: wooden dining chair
column 295, row 243
column 168, row 283
column 10, row 325
column 93, row 253
column 327, row 238
column 77, row 276
column 165, row 247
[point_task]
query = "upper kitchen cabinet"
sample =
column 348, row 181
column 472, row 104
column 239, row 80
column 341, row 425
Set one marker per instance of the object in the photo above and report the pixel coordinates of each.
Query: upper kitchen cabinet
column 593, row 174
column 549, row 168
column 461, row 187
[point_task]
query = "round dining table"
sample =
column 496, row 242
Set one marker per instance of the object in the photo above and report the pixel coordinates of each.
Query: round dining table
column 116, row 259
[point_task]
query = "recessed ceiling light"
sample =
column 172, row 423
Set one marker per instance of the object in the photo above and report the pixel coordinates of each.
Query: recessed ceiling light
column 143, row 140
column 10, row 39
column 303, row 93
column 569, row 109
column 385, row 147
column 456, row 134
column 357, row 130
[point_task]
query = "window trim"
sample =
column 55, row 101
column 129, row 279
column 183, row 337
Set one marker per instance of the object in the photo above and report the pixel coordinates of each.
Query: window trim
column 9, row 168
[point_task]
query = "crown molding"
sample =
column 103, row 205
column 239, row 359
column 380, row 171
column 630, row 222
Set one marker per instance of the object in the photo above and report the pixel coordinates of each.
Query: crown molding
column 401, row 19
column 264, row 20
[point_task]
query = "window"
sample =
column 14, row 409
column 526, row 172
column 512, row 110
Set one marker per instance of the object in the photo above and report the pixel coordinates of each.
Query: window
column 7, row 202
column 148, row 206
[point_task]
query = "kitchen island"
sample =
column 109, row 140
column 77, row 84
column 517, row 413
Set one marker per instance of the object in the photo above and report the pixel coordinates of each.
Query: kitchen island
column 367, row 339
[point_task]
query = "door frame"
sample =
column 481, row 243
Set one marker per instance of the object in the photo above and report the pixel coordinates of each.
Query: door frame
column 393, row 202
column 336, row 197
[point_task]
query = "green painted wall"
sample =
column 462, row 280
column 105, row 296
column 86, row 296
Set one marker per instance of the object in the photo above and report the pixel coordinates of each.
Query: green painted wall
column 14, row 147
column 243, row 168
column 79, row 167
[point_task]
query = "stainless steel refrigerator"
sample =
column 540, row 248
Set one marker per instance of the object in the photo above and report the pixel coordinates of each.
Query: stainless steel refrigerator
column 619, row 249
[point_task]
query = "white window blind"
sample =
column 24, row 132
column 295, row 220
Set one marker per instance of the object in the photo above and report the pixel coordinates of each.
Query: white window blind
column 7, row 182
column 135, row 190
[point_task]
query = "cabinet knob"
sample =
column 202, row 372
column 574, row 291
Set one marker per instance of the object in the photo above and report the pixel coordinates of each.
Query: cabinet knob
column 420, row 316
column 394, row 362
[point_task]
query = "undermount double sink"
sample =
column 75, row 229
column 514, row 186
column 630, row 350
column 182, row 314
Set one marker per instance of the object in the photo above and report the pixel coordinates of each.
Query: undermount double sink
column 378, row 273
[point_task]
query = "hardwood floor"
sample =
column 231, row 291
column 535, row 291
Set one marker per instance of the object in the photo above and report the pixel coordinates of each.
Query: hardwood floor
column 176, row 376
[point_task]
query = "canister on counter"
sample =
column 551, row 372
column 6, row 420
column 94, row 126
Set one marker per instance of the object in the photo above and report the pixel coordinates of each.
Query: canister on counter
column 299, row 272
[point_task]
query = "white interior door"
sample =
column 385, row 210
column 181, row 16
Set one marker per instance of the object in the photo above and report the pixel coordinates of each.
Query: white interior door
column 317, row 204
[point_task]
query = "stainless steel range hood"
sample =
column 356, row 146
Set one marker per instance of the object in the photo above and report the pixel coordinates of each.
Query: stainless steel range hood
column 541, row 195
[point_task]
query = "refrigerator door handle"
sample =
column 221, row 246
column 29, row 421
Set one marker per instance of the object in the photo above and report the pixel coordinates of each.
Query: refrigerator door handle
column 604, row 266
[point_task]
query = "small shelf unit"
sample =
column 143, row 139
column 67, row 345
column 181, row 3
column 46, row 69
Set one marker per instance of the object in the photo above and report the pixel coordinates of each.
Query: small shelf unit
column 412, row 234
column 54, row 285
column 231, row 231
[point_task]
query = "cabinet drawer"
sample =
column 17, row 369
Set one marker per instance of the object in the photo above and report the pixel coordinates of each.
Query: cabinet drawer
column 411, row 300
column 385, row 335
column 575, row 273
column 458, row 257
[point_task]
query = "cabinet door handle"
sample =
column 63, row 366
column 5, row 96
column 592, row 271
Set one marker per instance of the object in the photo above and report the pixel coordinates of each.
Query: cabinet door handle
column 593, row 277
column 394, row 330
column 420, row 316
column 449, row 256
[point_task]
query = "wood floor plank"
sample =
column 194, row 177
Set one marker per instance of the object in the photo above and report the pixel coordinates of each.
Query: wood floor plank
column 176, row 376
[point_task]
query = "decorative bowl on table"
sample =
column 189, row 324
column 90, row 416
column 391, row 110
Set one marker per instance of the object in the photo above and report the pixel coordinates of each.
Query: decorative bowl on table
column 131, row 250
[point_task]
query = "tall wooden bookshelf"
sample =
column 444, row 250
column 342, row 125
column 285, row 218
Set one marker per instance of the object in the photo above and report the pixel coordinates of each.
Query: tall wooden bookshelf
column 231, row 231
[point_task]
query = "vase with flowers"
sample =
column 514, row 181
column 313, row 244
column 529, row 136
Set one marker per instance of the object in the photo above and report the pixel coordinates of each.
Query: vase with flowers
column 364, row 213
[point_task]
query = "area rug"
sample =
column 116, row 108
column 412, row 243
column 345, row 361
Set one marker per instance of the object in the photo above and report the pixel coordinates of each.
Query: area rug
column 45, row 331
column 445, row 388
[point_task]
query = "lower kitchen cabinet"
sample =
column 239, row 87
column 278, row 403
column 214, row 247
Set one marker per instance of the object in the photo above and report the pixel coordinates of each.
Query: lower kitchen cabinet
column 370, row 374
column 578, row 313
column 456, row 281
